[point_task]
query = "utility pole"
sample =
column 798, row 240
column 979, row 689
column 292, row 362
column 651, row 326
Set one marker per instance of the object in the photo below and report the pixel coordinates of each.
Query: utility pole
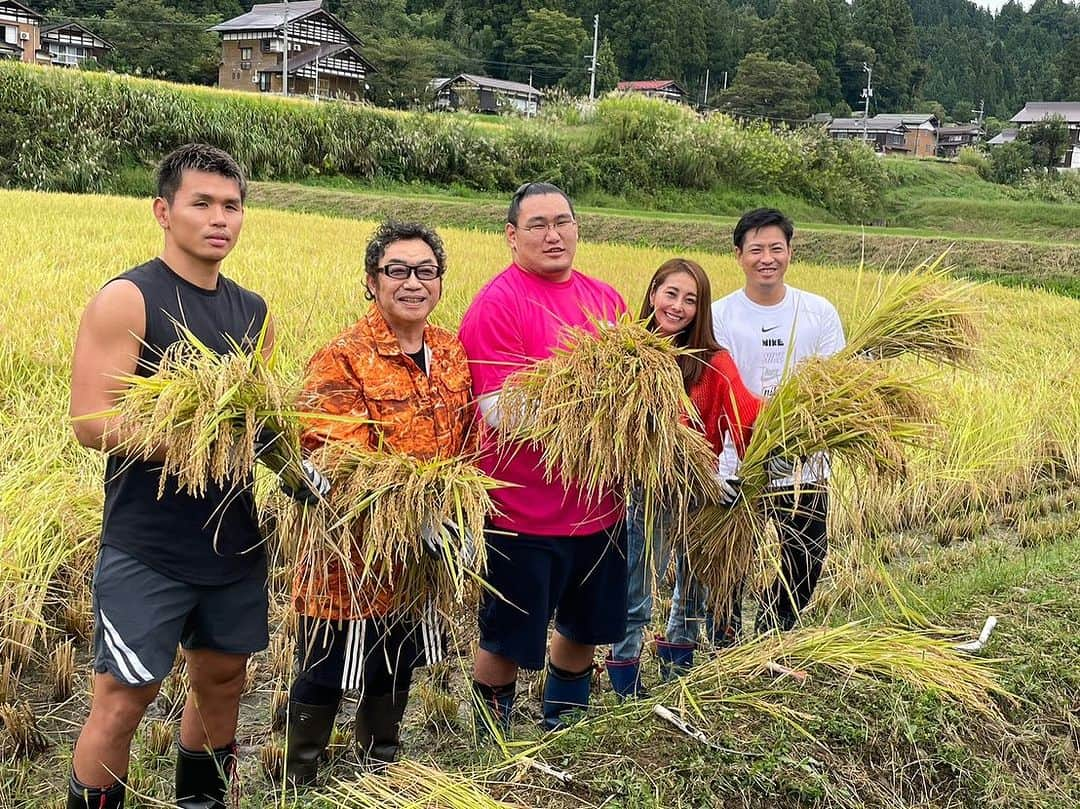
column 867, row 93
column 317, row 72
column 725, row 79
column 529, row 100
column 981, row 110
column 592, row 61
column 285, row 54
column 705, row 97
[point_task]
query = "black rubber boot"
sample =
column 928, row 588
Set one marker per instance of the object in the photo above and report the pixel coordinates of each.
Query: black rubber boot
column 309, row 732
column 81, row 796
column 378, row 728
column 202, row 779
column 494, row 704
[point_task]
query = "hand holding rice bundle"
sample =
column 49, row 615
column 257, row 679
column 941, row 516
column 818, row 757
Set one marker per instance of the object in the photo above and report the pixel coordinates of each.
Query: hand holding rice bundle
column 609, row 410
column 404, row 525
column 205, row 414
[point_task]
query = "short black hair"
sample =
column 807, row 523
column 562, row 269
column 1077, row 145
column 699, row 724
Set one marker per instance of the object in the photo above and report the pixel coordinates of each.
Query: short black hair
column 533, row 190
column 196, row 157
column 762, row 218
column 393, row 231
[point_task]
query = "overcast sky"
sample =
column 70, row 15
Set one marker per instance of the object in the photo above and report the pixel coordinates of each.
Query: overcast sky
column 994, row 5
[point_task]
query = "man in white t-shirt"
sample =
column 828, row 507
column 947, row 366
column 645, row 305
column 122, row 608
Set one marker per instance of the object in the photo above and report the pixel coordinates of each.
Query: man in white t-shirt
column 769, row 328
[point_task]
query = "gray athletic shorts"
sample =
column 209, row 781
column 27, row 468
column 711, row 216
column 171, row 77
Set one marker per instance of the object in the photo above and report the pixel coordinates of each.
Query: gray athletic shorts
column 140, row 616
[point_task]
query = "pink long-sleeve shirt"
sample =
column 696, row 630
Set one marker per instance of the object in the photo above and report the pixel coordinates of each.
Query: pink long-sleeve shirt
column 519, row 318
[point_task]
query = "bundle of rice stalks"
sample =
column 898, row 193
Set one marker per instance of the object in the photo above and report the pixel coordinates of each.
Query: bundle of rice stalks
column 926, row 313
column 607, row 410
column 921, row 660
column 374, row 520
column 413, row 785
column 206, row 412
column 20, row 736
column 62, row 670
column 858, row 411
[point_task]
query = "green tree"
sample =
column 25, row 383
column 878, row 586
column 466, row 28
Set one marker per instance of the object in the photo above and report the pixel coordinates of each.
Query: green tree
column 406, row 66
column 853, row 55
column 812, row 31
column 888, row 28
column 1048, row 139
column 771, row 88
column 152, row 39
column 1010, row 161
column 577, row 80
column 549, row 42
column 1069, row 71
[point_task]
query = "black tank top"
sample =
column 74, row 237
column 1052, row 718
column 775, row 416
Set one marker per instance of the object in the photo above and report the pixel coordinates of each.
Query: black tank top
column 209, row 540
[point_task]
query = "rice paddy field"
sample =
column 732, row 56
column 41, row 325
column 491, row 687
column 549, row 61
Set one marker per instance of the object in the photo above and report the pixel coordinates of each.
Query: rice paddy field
column 890, row 715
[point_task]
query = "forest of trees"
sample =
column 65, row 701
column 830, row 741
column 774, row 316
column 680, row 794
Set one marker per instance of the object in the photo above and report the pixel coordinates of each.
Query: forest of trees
column 782, row 58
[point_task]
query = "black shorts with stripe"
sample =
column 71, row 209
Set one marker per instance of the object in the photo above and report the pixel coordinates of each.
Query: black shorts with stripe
column 140, row 615
column 373, row 656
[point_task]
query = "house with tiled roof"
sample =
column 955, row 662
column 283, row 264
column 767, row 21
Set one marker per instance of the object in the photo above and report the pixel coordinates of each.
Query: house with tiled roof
column 491, row 95
column 324, row 56
column 20, row 34
column 667, row 89
column 1035, row 111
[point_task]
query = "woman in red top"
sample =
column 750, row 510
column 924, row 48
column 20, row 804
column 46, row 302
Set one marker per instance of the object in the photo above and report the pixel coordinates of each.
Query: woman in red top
column 678, row 305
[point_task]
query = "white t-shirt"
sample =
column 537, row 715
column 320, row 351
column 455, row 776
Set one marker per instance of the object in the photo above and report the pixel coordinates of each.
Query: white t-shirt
column 767, row 341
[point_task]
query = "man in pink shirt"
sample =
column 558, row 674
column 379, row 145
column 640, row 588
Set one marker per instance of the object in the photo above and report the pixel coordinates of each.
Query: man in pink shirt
column 552, row 551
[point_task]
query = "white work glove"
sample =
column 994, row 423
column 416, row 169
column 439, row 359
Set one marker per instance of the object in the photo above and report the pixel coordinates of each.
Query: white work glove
column 459, row 538
column 315, row 485
column 730, row 491
column 780, row 468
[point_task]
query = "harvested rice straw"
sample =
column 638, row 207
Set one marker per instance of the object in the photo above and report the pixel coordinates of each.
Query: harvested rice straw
column 415, row 786
column 858, row 411
column 926, row 313
column 606, row 410
column 374, row 517
column 207, row 412
column 728, row 680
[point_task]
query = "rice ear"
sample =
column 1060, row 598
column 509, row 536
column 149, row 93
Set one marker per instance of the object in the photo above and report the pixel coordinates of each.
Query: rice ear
column 926, row 313
column 609, row 411
column 371, row 524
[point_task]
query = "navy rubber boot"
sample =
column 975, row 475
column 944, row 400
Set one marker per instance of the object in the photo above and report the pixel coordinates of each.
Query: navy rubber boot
column 625, row 676
column 564, row 693
column 675, row 658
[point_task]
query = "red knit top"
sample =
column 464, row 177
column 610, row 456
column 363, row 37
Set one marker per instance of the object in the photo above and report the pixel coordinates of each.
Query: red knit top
column 724, row 403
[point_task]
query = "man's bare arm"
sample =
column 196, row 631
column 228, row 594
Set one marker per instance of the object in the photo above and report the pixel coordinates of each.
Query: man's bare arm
column 106, row 347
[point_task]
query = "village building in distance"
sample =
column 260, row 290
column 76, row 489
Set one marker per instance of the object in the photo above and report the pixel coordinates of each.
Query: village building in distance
column 324, row 55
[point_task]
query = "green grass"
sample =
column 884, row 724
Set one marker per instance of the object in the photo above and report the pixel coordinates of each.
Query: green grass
column 935, row 196
column 1051, row 266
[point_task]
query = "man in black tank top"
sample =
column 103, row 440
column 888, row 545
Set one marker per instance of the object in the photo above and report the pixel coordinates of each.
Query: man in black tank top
column 179, row 569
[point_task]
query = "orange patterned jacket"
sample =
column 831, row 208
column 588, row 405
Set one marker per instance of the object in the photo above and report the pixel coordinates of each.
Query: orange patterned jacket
column 363, row 373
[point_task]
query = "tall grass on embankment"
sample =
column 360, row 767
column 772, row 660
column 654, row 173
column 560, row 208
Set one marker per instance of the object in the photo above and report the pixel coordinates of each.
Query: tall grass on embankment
column 72, row 131
column 1043, row 260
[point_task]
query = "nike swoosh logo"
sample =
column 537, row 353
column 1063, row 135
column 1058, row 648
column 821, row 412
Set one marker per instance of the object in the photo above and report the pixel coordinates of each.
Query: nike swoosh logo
column 771, row 328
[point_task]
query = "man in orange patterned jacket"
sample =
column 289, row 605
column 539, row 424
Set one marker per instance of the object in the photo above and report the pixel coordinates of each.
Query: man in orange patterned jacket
column 404, row 386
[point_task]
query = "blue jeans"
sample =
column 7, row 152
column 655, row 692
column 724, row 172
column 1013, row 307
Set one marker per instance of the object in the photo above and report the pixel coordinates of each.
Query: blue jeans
column 642, row 565
column 690, row 611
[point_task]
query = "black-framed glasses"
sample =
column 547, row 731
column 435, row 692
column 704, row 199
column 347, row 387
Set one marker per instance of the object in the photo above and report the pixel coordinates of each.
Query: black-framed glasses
column 562, row 225
column 423, row 272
